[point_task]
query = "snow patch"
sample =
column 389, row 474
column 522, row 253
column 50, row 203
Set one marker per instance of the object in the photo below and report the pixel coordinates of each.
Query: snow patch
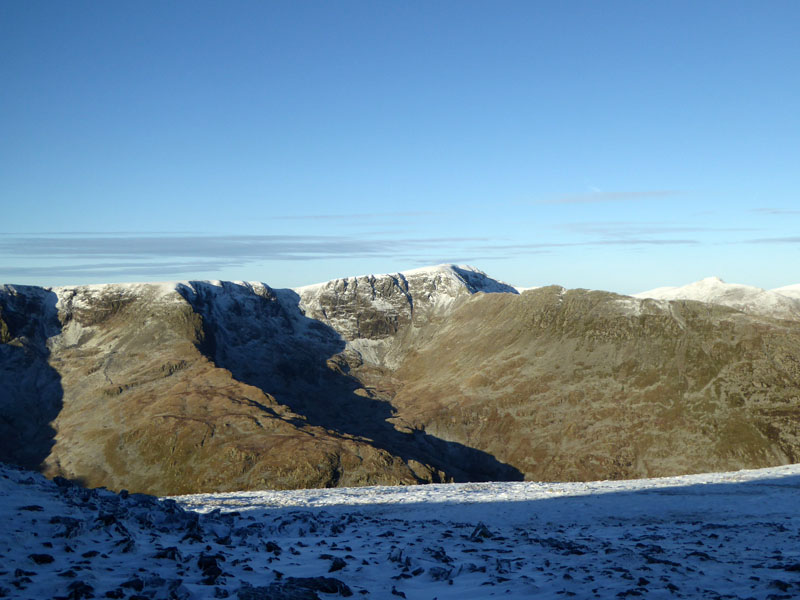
column 790, row 291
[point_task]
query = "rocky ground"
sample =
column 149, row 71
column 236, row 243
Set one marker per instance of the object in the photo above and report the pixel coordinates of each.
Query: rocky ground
column 734, row 535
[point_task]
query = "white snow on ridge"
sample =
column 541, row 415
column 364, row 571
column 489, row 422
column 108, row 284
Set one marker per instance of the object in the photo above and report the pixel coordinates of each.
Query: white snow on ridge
column 159, row 286
column 449, row 280
column 746, row 298
column 790, row 291
column 456, row 273
column 81, row 296
column 441, row 268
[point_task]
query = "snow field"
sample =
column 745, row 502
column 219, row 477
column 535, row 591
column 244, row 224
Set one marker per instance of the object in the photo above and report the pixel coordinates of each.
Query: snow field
column 728, row 535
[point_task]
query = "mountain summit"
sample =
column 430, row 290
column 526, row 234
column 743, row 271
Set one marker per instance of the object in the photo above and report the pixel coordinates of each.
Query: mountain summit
column 747, row 298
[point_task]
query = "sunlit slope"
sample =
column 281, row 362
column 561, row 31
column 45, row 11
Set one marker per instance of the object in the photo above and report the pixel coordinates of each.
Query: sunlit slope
column 573, row 384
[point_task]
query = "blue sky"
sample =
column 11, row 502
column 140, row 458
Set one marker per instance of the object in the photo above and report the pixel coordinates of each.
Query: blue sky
column 610, row 145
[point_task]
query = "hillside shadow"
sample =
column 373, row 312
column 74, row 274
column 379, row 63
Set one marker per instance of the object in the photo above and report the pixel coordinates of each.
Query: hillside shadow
column 480, row 282
column 264, row 339
column 31, row 394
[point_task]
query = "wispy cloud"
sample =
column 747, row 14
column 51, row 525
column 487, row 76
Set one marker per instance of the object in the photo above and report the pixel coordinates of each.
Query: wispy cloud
column 111, row 270
column 357, row 216
column 95, row 233
column 294, row 247
column 644, row 242
column 245, row 247
column 111, row 257
column 159, row 256
column 776, row 240
column 544, row 246
column 627, row 229
column 776, row 211
column 599, row 196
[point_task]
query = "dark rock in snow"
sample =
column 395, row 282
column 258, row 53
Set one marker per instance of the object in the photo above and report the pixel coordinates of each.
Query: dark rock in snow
column 780, row 585
column 275, row 592
column 337, row 564
column 69, row 526
column 208, row 565
column 68, row 573
column 41, row 559
column 480, row 533
column 326, row 585
column 273, row 548
column 179, row 591
column 170, row 553
column 701, row 555
column 23, row 573
column 135, row 584
column 79, row 590
column 439, row 573
column 439, row 554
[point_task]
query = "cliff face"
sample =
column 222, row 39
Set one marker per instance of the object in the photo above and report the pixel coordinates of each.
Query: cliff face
column 439, row 374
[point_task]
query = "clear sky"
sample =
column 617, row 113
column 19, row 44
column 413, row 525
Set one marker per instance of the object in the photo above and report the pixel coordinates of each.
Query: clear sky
column 611, row 145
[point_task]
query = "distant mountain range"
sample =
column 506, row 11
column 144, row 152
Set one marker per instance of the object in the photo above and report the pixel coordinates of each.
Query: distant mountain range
column 781, row 302
column 435, row 374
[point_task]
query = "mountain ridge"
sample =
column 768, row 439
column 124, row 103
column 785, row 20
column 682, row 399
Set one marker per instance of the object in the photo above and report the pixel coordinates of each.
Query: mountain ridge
column 430, row 375
column 711, row 290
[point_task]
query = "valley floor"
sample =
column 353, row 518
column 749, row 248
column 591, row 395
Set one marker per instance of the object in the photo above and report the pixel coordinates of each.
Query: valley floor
column 729, row 535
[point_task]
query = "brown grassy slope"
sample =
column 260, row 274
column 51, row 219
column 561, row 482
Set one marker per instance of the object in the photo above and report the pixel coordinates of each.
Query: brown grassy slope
column 578, row 385
column 143, row 409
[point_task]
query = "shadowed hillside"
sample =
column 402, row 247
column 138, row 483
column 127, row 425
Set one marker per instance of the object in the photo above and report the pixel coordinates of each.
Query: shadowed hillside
column 30, row 389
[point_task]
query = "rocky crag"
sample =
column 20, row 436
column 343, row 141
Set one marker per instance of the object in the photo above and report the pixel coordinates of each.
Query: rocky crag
column 434, row 375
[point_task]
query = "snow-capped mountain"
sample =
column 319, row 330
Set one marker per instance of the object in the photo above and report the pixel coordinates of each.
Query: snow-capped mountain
column 445, row 279
column 781, row 303
column 376, row 314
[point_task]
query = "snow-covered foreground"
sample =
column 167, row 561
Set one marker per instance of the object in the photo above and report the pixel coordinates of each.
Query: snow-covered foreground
column 730, row 535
